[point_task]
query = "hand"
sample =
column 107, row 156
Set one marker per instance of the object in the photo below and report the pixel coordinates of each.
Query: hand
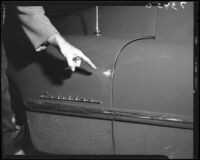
column 74, row 56
column 71, row 53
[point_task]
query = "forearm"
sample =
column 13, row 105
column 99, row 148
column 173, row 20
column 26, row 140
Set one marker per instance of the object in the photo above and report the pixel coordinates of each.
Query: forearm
column 57, row 41
column 36, row 24
column 41, row 32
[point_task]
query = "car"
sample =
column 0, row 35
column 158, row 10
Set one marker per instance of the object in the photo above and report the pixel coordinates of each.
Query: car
column 139, row 100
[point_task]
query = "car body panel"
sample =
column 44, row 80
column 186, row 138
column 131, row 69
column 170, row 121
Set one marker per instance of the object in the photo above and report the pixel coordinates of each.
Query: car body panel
column 94, row 83
column 141, row 139
column 154, row 80
column 155, row 76
column 138, row 101
column 69, row 135
column 114, row 21
column 45, row 80
column 179, row 23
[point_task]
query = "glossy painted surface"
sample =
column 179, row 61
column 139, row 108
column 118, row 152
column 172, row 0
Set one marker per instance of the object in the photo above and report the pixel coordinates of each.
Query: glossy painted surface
column 179, row 24
column 114, row 21
column 136, row 139
column 155, row 76
column 46, row 72
column 152, row 83
column 56, row 134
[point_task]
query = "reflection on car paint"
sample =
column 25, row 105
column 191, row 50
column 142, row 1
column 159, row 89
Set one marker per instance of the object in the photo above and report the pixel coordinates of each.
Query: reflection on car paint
column 108, row 73
column 46, row 95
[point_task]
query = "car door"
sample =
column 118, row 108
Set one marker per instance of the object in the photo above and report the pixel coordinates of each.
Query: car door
column 72, row 113
column 153, row 91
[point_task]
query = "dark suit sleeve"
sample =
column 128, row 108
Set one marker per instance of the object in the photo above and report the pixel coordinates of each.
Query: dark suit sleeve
column 35, row 24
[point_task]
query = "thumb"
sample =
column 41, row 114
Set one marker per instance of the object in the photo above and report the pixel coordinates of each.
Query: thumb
column 71, row 64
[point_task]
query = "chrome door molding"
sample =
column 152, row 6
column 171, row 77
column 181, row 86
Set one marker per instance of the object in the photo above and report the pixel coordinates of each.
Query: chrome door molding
column 107, row 114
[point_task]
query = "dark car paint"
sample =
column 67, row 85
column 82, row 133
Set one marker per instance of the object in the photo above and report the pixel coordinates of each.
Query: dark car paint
column 114, row 22
column 155, row 76
column 48, row 68
column 99, row 138
column 42, row 137
column 176, row 25
column 152, row 77
column 64, row 134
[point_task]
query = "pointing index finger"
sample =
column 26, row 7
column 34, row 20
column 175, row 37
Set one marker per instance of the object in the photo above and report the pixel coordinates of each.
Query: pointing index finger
column 87, row 60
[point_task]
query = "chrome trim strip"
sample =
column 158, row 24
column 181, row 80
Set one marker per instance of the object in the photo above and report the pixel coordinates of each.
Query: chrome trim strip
column 107, row 114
